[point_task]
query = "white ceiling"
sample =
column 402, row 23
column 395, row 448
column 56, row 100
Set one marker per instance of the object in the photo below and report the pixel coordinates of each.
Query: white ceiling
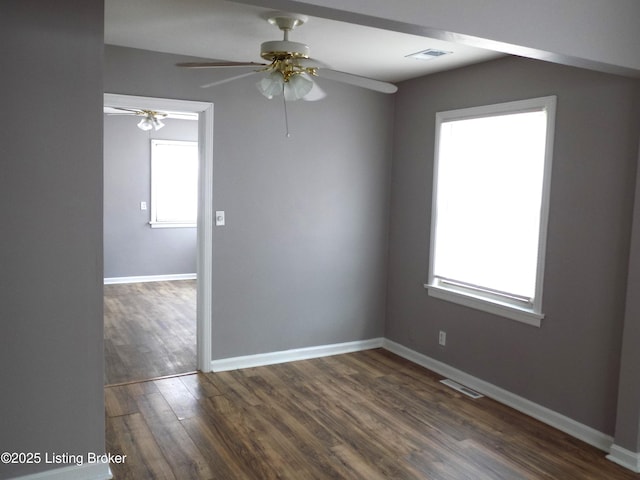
column 223, row 30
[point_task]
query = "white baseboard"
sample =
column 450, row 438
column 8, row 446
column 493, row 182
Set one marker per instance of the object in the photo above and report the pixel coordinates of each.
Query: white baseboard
column 151, row 278
column 272, row 358
column 86, row 471
column 625, row 458
column 575, row 429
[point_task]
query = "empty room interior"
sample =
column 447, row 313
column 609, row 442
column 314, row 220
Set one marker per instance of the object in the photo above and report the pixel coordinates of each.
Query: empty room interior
column 382, row 197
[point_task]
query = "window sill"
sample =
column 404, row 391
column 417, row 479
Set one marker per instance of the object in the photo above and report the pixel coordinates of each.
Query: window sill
column 171, row 225
column 512, row 312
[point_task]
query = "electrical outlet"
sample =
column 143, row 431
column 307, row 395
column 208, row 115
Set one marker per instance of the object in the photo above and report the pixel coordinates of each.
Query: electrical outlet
column 442, row 338
column 143, row 205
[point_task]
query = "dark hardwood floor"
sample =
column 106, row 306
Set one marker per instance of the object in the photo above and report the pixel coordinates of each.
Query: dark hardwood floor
column 367, row 415
column 149, row 330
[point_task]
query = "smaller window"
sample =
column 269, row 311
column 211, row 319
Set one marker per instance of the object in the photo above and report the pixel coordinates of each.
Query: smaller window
column 174, row 183
column 490, row 207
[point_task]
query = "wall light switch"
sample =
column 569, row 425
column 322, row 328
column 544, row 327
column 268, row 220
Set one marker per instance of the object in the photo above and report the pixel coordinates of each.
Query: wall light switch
column 143, row 205
column 220, row 218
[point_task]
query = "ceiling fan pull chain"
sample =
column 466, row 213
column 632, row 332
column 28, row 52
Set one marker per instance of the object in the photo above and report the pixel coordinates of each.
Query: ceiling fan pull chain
column 286, row 117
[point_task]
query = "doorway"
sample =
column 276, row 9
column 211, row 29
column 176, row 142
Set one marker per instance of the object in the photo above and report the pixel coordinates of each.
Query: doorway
column 204, row 241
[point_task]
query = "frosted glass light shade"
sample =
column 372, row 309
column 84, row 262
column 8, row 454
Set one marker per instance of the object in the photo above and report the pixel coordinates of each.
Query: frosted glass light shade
column 157, row 124
column 271, row 85
column 297, row 87
column 150, row 122
column 145, row 124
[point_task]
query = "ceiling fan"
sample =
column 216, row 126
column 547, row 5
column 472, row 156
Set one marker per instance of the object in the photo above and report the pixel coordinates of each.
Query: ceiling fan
column 150, row 118
column 291, row 70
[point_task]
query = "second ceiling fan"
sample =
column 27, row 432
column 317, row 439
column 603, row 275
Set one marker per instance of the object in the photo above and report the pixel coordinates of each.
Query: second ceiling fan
column 290, row 70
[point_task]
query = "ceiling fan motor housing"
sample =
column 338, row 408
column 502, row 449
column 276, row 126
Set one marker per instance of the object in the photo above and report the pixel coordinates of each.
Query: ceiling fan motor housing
column 282, row 49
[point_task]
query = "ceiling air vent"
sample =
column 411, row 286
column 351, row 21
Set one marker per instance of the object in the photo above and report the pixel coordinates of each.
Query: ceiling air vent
column 428, row 54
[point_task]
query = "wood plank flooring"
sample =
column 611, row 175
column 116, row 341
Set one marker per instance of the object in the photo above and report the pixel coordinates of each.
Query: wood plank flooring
column 149, row 330
column 367, row 415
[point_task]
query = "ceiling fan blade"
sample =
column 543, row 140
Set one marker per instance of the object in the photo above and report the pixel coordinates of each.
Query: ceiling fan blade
column 311, row 63
column 108, row 110
column 123, row 111
column 230, row 79
column 219, row 64
column 357, row 80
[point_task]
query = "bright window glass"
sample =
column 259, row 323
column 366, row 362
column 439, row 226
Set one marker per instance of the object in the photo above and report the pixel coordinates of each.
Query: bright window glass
column 174, row 183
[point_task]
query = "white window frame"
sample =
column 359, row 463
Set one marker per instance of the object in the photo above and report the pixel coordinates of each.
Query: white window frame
column 528, row 311
column 154, row 222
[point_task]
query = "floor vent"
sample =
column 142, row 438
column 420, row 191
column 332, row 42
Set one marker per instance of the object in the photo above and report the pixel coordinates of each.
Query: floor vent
column 461, row 388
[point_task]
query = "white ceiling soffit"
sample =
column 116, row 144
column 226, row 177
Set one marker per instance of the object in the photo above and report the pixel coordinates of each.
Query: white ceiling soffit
column 222, row 30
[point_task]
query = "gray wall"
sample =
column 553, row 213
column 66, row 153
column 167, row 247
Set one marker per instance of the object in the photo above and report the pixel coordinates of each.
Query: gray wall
column 51, row 354
column 302, row 260
column 571, row 363
column 131, row 246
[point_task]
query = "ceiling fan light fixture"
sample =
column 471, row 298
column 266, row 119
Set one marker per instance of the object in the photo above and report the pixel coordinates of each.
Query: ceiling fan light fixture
column 145, row 124
column 271, row 85
column 150, row 120
column 297, row 87
column 157, row 124
column 293, row 86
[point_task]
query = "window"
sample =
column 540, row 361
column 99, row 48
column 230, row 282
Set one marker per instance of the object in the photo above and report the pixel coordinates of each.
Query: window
column 490, row 207
column 174, row 183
